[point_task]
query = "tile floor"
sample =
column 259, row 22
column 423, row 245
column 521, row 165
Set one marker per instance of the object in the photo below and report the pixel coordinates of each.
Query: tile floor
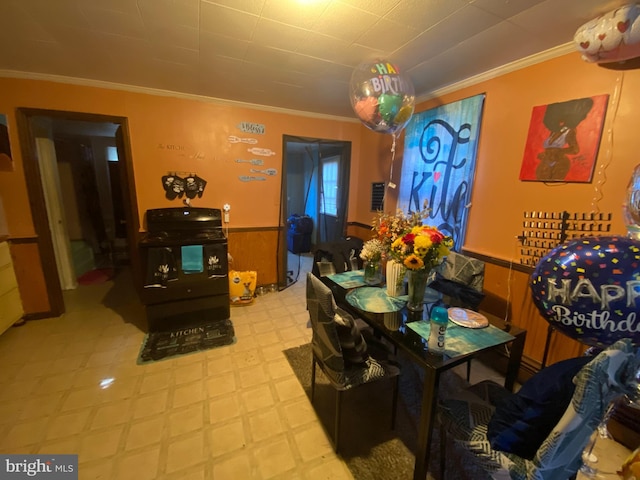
column 71, row 385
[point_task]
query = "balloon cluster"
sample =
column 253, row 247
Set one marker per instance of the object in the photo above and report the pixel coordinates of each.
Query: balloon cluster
column 382, row 96
column 589, row 289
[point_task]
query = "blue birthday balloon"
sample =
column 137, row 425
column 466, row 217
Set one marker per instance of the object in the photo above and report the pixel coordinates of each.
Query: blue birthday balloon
column 589, row 289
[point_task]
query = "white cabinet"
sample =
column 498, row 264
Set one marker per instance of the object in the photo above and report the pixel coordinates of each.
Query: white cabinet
column 10, row 304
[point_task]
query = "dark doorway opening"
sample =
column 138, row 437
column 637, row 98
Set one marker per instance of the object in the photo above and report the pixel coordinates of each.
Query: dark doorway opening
column 314, row 200
column 80, row 183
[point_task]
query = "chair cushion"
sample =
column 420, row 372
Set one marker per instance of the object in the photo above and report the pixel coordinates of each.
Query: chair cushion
column 523, row 420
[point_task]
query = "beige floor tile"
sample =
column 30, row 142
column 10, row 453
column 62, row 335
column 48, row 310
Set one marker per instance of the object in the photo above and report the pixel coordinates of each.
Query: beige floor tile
column 83, row 398
column 312, row 442
column 197, row 472
column 221, row 384
column 54, row 383
column 39, row 407
column 112, row 414
column 94, row 446
column 279, row 368
column 145, row 432
column 187, row 394
column 90, row 377
column 185, row 452
column 271, row 352
column 216, row 366
column 151, row 404
column 24, row 434
column 10, row 411
column 100, row 470
column 274, row 458
column 104, row 357
column 289, row 389
column 70, row 446
column 252, row 376
column 244, row 344
column 268, row 338
column 227, row 438
column 155, row 381
column 68, row 424
column 120, row 389
column 246, row 359
column 188, row 373
column 224, row 408
column 264, row 425
column 186, row 420
column 67, row 364
column 139, row 466
column 257, row 398
column 329, row 470
column 237, row 467
column 300, row 412
column 234, row 412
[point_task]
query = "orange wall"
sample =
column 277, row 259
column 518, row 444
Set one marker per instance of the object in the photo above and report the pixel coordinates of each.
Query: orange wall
column 197, row 133
column 201, row 129
column 499, row 198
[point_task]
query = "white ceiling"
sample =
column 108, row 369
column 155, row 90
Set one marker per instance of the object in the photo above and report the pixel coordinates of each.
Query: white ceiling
column 291, row 54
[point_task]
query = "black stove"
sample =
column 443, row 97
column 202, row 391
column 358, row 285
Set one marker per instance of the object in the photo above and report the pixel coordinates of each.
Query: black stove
column 184, row 253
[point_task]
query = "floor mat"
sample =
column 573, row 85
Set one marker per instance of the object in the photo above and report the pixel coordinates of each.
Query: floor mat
column 370, row 448
column 183, row 341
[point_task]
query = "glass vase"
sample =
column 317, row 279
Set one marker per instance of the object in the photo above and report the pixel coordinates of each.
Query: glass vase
column 417, row 283
column 372, row 272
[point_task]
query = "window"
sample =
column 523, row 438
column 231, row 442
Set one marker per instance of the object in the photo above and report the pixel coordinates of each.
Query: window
column 112, row 154
column 329, row 198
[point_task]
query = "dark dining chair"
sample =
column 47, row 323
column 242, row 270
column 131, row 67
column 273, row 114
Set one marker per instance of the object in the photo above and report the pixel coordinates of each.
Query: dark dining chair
column 341, row 352
column 516, row 450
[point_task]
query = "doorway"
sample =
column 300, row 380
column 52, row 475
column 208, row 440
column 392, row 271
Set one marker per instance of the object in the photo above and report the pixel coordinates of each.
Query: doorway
column 314, row 201
column 79, row 178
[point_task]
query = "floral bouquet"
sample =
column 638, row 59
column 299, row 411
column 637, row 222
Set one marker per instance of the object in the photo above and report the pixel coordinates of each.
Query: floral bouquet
column 389, row 227
column 372, row 250
column 421, row 248
column 371, row 253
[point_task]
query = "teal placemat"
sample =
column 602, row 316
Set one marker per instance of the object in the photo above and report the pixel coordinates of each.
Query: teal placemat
column 350, row 279
column 462, row 341
column 375, row 300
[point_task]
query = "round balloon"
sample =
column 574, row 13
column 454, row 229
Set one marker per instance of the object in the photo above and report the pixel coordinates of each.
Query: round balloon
column 631, row 208
column 589, row 289
column 382, row 96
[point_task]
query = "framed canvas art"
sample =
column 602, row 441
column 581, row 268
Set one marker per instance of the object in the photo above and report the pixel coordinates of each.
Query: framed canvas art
column 563, row 140
column 439, row 162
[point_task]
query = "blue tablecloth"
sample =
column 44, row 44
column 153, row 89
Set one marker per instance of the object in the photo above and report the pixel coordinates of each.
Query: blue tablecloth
column 461, row 340
column 375, row 300
column 350, row 279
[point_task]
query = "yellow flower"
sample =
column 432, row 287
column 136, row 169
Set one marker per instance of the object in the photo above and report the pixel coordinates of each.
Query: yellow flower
column 413, row 262
column 421, row 245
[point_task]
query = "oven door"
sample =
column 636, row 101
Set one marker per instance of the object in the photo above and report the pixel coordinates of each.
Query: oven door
column 185, row 271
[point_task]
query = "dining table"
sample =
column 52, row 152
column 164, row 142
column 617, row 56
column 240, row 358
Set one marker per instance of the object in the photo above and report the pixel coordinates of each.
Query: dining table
column 408, row 331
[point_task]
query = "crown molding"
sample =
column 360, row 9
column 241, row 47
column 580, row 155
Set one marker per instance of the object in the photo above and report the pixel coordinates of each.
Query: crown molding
column 490, row 74
column 167, row 93
column 502, row 70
